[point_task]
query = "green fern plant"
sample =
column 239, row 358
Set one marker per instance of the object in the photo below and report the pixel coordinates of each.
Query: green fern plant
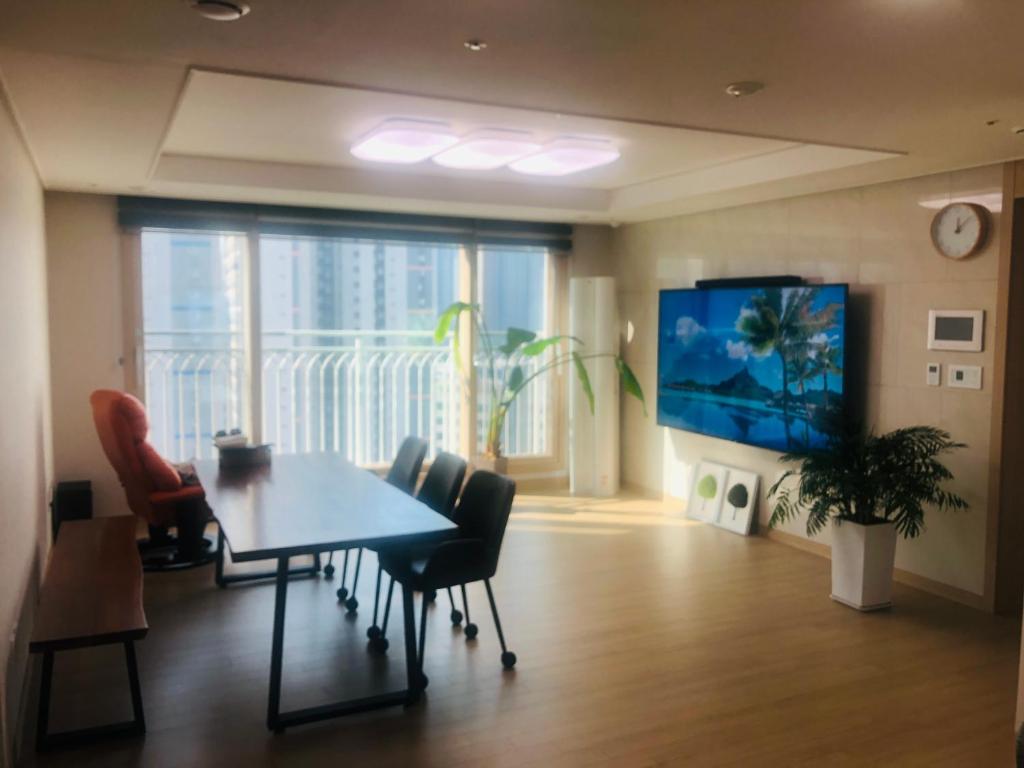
column 868, row 479
column 505, row 363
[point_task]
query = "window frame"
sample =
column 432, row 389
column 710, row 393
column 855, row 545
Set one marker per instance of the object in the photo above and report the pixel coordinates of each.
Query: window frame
column 541, row 467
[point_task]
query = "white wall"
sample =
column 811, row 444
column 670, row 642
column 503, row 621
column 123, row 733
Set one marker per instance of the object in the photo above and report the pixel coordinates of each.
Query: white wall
column 877, row 239
column 591, row 251
column 86, row 334
column 25, row 448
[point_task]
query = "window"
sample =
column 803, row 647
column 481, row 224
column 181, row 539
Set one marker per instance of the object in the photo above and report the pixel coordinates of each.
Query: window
column 514, row 291
column 351, row 367
column 192, row 324
column 335, row 350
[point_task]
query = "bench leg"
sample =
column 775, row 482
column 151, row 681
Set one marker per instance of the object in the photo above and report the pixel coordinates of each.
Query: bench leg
column 135, row 727
column 133, row 683
column 43, row 722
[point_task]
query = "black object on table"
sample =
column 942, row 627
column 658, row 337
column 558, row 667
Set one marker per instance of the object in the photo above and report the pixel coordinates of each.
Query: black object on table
column 72, row 500
column 306, row 505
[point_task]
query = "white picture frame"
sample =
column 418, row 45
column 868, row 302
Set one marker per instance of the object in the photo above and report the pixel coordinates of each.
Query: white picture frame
column 741, row 486
column 706, row 492
column 943, row 339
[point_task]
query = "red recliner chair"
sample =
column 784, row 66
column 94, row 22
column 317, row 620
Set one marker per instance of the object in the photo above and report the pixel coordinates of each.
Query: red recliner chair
column 153, row 487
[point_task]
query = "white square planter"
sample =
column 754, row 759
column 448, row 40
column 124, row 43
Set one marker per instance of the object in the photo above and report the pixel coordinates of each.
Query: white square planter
column 862, row 563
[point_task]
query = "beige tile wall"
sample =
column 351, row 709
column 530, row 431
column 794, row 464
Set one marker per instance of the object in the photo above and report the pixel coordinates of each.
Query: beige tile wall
column 877, row 239
column 26, row 449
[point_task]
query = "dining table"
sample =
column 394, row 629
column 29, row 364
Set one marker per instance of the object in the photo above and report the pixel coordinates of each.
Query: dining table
column 308, row 504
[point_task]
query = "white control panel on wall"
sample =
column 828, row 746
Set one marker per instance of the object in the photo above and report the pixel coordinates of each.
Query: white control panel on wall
column 934, row 374
column 964, row 376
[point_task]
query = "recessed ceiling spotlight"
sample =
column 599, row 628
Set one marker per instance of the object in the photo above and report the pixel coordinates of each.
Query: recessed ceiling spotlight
column 220, row 10
column 564, row 156
column 488, row 149
column 474, row 45
column 743, row 88
column 404, row 141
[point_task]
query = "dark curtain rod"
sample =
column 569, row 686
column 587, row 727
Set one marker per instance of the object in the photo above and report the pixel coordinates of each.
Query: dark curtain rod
column 166, row 213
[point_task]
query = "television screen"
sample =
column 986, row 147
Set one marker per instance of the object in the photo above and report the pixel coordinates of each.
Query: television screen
column 762, row 366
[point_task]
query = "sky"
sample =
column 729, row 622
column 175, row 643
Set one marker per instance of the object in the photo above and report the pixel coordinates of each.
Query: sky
column 698, row 338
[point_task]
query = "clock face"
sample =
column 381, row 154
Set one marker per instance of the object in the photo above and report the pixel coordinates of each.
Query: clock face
column 959, row 229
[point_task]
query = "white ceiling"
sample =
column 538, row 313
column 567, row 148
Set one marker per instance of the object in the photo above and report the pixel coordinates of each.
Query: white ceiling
column 147, row 97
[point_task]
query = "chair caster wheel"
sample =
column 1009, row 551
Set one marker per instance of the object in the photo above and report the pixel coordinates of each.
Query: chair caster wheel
column 328, row 571
column 424, row 682
column 351, row 605
column 373, row 632
column 456, row 617
column 508, row 659
column 342, row 593
column 379, row 645
column 430, row 595
column 471, row 631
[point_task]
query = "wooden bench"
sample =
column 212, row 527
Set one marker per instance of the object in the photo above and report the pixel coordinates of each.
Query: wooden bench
column 91, row 595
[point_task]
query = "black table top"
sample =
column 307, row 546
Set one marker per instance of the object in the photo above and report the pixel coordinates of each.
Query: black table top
column 306, row 503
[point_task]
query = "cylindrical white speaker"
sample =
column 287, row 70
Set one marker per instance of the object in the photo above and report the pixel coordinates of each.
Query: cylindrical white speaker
column 594, row 436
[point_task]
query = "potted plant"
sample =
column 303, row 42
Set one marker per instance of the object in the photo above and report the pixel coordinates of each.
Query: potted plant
column 872, row 487
column 507, row 374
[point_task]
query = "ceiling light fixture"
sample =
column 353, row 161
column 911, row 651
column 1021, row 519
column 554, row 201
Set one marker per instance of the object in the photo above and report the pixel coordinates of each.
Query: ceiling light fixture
column 474, row 45
column 220, row 10
column 564, row 156
column 404, row 141
column 743, row 88
column 488, row 149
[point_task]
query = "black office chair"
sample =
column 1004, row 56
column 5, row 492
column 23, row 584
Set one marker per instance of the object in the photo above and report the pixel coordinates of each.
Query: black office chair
column 403, row 474
column 482, row 516
column 439, row 491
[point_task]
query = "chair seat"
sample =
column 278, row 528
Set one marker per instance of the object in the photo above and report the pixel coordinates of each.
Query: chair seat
column 455, row 562
column 186, row 493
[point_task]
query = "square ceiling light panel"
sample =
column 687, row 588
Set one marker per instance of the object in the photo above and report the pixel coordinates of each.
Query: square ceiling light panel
column 404, row 141
column 564, row 156
column 487, row 149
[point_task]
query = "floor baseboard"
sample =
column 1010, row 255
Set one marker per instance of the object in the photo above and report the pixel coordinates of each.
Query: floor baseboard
column 914, row 580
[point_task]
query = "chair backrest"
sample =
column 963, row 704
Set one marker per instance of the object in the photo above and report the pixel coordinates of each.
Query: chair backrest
column 441, row 486
column 406, row 469
column 122, row 427
column 483, row 511
column 116, row 430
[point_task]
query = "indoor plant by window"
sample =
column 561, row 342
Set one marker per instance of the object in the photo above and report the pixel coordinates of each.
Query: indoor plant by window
column 873, row 487
column 507, row 371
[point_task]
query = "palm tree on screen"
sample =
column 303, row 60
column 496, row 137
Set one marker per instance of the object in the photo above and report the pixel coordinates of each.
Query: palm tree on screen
column 827, row 361
column 782, row 321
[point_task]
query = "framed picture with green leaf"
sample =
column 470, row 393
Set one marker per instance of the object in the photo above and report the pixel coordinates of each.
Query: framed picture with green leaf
column 706, row 492
column 739, row 501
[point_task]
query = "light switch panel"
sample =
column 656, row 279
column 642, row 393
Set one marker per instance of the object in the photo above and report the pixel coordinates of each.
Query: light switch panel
column 934, row 374
column 964, row 376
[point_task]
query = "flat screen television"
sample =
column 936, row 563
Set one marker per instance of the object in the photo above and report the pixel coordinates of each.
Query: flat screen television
column 758, row 365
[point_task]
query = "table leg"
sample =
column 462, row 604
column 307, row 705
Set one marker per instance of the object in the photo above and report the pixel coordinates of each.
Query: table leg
column 278, row 721
column 277, row 647
column 412, row 670
column 218, row 568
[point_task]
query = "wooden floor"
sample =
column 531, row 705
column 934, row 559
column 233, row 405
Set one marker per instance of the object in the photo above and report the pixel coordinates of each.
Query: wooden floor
column 642, row 640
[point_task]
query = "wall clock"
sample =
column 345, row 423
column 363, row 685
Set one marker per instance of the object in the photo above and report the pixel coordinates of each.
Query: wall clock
column 959, row 229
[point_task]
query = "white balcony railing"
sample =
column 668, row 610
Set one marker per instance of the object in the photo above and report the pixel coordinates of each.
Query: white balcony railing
column 358, row 393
